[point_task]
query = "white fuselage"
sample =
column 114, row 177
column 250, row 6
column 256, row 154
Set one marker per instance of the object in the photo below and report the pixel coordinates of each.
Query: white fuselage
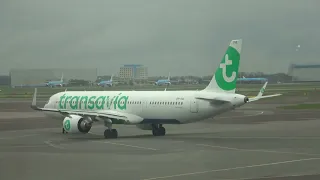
column 159, row 107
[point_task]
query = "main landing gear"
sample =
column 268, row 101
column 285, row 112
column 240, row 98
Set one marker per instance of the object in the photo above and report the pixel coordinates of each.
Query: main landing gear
column 158, row 130
column 110, row 133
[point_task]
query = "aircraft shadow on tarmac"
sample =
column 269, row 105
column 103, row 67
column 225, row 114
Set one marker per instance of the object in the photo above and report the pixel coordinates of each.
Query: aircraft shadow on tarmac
column 90, row 137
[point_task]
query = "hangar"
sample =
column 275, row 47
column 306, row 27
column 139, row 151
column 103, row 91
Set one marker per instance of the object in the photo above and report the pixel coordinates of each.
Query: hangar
column 305, row 72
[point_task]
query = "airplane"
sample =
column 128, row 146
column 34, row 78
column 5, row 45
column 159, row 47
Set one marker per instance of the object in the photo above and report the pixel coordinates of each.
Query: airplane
column 149, row 110
column 56, row 83
column 163, row 81
column 244, row 79
column 106, row 83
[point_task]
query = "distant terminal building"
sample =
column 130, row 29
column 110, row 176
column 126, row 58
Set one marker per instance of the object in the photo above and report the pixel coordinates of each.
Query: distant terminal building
column 4, row 80
column 305, row 72
column 133, row 71
column 38, row 77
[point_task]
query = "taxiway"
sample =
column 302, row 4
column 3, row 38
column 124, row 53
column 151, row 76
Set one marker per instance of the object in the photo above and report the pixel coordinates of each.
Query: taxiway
column 255, row 142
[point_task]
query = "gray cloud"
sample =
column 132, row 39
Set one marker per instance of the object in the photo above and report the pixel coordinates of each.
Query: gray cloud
column 180, row 36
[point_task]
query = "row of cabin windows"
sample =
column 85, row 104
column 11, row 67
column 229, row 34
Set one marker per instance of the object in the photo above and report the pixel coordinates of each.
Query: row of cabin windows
column 167, row 103
column 121, row 102
column 133, row 102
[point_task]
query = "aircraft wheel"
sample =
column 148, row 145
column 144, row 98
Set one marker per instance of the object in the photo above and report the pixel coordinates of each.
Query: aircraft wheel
column 108, row 134
column 161, row 131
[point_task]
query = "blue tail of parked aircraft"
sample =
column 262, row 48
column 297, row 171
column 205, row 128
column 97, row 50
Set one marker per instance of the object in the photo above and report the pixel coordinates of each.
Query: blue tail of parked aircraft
column 56, row 83
column 106, row 83
column 163, row 81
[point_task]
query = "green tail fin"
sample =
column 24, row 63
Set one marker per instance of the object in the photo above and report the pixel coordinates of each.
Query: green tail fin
column 225, row 77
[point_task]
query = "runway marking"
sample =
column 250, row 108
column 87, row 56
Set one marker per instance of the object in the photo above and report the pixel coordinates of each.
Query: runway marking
column 4, row 110
column 261, row 112
column 234, row 168
column 281, row 138
column 177, row 141
column 257, row 150
column 5, row 138
column 53, row 145
column 6, row 122
column 120, row 144
column 271, row 177
column 22, row 146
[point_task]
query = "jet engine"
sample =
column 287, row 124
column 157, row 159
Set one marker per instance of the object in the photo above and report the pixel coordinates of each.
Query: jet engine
column 77, row 124
column 144, row 126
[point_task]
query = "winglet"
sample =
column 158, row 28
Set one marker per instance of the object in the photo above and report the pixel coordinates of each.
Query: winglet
column 34, row 100
column 262, row 89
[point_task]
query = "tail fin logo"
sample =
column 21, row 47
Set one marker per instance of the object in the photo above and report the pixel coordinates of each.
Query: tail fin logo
column 223, row 66
column 227, row 73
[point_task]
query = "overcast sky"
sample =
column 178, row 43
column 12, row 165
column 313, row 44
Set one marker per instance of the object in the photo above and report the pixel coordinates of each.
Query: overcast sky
column 184, row 37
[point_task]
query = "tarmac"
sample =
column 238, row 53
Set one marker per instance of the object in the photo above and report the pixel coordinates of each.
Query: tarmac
column 255, row 142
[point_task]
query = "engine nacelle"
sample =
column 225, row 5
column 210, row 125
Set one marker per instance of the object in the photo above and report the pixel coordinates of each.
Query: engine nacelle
column 77, row 124
column 144, row 126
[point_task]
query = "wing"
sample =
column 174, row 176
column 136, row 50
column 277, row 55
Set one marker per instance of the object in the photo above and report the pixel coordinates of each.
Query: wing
column 211, row 98
column 108, row 114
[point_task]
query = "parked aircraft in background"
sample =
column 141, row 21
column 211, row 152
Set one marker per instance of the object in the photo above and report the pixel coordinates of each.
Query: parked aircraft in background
column 107, row 83
column 244, row 79
column 161, row 82
column 56, row 83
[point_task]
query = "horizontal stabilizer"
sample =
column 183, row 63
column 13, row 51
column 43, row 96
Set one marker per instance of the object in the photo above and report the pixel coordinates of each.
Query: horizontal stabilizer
column 262, row 97
column 210, row 97
column 260, row 94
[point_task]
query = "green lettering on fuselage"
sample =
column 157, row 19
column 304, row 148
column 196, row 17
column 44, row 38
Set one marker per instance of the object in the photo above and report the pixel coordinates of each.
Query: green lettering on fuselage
column 100, row 99
column 93, row 102
column 74, row 105
column 83, row 101
column 122, row 102
column 116, row 102
column 108, row 103
column 60, row 102
column 66, row 100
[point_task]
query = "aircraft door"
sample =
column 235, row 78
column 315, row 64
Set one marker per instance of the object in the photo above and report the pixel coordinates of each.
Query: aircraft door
column 194, row 108
column 144, row 104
